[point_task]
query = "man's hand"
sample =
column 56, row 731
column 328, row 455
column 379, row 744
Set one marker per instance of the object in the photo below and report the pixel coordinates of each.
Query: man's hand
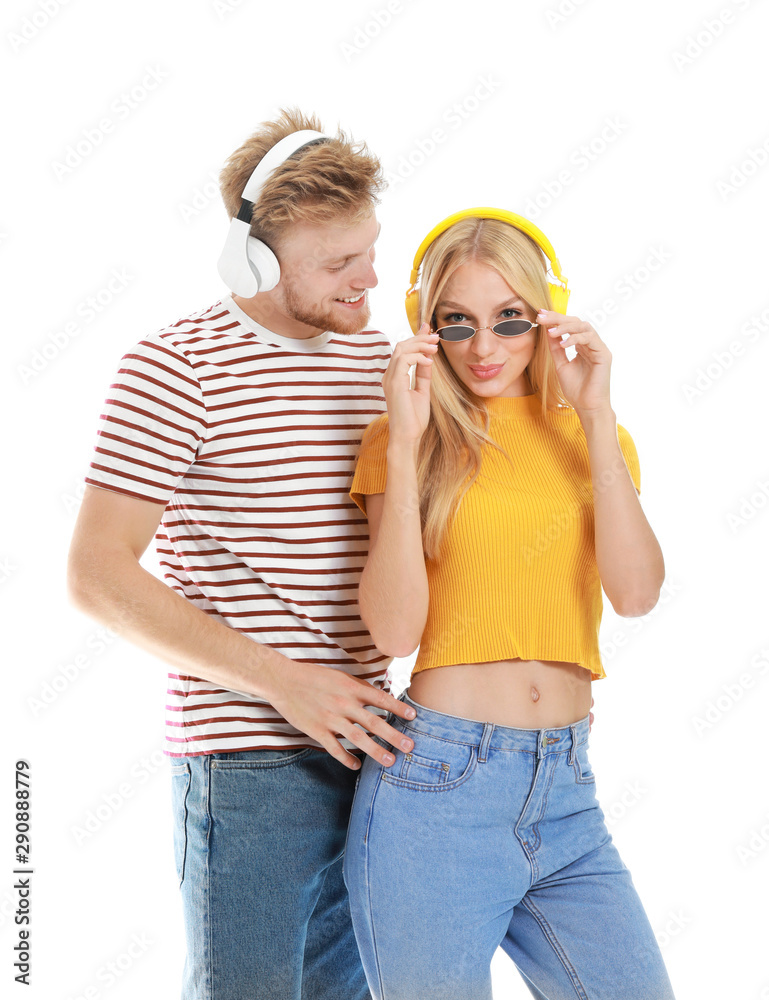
column 326, row 703
column 107, row 582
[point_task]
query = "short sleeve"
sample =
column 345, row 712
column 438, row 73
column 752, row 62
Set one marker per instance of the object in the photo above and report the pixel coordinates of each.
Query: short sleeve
column 630, row 455
column 152, row 423
column 371, row 469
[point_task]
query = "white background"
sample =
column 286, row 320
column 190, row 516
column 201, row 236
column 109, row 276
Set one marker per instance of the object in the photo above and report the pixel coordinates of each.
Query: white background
column 631, row 134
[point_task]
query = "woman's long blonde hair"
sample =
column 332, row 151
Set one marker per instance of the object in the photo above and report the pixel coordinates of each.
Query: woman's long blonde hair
column 450, row 450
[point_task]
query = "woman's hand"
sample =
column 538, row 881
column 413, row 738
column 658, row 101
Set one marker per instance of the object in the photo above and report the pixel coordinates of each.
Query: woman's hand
column 585, row 379
column 408, row 410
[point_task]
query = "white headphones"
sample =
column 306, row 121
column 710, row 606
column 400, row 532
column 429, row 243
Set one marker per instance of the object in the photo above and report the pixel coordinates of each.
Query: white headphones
column 247, row 265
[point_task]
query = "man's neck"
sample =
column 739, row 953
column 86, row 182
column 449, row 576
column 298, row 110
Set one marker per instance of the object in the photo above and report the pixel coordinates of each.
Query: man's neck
column 263, row 311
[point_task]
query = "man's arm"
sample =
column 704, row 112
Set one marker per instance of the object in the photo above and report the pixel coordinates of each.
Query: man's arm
column 106, row 581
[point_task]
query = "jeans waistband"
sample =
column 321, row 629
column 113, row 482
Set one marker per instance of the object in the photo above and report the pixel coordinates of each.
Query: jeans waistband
column 488, row 734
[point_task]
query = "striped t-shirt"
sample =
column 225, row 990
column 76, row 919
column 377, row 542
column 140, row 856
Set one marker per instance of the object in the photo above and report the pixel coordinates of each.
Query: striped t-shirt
column 250, row 440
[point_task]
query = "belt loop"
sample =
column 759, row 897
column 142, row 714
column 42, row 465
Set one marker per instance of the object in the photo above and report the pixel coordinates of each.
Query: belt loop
column 488, row 729
column 573, row 747
column 541, row 743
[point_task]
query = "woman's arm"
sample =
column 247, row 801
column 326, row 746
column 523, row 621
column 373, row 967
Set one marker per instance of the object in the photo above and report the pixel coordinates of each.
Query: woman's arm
column 627, row 552
column 628, row 555
column 393, row 593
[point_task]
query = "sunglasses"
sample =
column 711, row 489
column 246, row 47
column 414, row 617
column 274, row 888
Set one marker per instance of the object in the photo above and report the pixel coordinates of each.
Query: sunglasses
column 507, row 328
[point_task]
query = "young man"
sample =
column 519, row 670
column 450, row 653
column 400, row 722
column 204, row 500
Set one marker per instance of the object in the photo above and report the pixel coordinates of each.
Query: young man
column 232, row 436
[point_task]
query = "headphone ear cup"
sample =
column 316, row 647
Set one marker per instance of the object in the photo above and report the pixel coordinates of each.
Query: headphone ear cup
column 412, row 309
column 264, row 261
column 559, row 297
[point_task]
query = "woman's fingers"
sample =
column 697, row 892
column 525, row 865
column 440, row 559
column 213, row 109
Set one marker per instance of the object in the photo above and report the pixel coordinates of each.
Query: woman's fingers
column 414, row 359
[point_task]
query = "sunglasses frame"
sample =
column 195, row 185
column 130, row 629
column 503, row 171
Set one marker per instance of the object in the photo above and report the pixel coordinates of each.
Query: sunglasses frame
column 466, row 326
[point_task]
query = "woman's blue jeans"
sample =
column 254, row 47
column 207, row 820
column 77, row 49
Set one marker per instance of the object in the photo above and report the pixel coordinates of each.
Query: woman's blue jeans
column 486, row 836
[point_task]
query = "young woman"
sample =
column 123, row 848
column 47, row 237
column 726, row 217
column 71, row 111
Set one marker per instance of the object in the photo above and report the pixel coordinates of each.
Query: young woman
column 501, row 495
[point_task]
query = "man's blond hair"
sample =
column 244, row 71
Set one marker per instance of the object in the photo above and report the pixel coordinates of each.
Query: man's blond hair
column 337, row 181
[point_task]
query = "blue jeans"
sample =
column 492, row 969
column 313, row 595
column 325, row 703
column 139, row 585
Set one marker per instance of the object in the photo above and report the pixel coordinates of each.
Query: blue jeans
column 258, row 841
column 486, row 836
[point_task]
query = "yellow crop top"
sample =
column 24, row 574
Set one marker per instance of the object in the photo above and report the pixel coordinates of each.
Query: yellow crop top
column 516, row 575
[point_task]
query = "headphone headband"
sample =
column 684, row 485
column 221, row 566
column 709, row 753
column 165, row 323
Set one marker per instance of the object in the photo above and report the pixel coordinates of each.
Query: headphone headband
column 283, row 150
column 488, row 213
column 244, row 272
column 559, row 293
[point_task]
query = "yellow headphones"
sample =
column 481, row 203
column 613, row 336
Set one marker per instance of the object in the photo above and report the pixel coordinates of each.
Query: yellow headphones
column 558, row 293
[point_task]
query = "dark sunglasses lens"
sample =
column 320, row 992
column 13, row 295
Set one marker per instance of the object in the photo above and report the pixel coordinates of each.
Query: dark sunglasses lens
column 454, row 333
column 513, row 327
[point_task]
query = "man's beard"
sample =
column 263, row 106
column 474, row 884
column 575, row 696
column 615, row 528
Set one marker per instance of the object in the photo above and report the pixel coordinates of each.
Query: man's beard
column 322, row 319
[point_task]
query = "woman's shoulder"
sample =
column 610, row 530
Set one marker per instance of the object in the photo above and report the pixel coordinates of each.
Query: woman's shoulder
column 378, row 427
column 375, row 438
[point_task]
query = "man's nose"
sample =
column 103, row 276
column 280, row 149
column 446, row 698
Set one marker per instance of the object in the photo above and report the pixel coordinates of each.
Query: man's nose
column 365, row 275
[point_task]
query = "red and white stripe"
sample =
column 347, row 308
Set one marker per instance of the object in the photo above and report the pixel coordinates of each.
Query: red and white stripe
column 250, row 439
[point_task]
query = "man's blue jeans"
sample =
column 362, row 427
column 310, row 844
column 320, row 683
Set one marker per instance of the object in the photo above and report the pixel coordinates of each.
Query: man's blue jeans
column 486, row 836
column 258, row 840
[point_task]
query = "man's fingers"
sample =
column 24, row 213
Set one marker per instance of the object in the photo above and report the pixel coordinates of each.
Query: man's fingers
column 360, row 738
column 376, row 697
column 393, row 736
column 382, row 699
column 339, row 753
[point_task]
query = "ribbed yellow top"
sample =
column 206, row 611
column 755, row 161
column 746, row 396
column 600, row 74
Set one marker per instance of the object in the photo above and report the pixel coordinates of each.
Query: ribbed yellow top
column 516, row 575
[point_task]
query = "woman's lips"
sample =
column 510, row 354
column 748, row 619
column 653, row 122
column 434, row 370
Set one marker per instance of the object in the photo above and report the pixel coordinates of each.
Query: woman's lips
column 485, row 371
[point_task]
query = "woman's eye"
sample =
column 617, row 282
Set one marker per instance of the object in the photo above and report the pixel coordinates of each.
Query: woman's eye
column 455, row 318
column 508, row 313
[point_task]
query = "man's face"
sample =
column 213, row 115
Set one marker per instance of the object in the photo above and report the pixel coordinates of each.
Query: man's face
column 323, row 265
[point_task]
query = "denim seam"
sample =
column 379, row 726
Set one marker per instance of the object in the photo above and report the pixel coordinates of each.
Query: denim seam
column 528, row 847
column 368, row 885
column 483, row 749
column 209, row 989
column 433, row 736
column 185, row 814
column 575, row 745
column 579, row 989
column 260, row 765
column 543, row 807
column 579, row 776
column 446, row 786
column 414, row 759
column 535, row 842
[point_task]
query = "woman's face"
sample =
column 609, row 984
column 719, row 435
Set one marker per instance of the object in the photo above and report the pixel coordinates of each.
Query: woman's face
column 477, row 295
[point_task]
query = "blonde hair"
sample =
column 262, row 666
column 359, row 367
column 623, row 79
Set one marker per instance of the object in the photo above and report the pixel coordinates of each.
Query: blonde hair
column 449, row 459
column 336, row 181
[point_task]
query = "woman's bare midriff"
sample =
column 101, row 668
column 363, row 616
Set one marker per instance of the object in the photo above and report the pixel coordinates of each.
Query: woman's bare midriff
column 525, row 694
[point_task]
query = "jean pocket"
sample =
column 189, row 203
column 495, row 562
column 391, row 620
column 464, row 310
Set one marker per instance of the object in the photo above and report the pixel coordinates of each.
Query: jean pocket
column 580, row 762
column 434, row 765
column 258, row 759
column 180, row 786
